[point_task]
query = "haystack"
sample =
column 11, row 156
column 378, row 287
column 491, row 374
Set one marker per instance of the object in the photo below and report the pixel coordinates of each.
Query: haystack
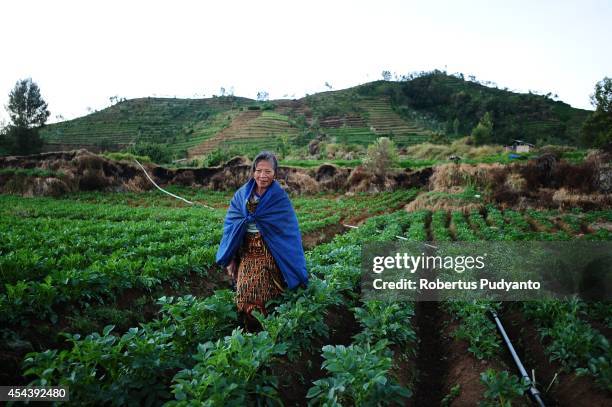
column 481, row 176
column 362, row 180
column 300, row 183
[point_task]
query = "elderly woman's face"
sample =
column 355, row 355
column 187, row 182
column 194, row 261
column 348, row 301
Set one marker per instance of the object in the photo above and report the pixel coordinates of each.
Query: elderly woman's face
column 264, row 174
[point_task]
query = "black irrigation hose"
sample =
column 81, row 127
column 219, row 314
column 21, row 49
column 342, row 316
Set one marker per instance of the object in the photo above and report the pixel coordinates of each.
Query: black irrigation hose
column 533, row 392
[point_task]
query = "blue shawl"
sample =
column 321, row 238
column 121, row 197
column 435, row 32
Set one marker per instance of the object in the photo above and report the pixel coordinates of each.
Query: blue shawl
column 277, row 224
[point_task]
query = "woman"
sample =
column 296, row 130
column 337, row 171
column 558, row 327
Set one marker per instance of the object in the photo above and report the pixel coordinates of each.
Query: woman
column 261, row 245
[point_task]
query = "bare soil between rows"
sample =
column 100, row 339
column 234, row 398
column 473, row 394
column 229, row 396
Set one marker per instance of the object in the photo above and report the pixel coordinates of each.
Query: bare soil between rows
column 296, row 377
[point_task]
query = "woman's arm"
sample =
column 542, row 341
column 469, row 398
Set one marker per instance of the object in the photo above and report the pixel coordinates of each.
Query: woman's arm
column 232, row 269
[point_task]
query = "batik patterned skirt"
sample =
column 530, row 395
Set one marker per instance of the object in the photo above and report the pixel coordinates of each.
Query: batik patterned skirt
column 259, row 279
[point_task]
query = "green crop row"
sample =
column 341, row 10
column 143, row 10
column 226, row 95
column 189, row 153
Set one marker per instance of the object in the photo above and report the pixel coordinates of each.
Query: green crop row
column 511, row 225
column 571, row 341
column 91, row 253
column 134, row 367
column 289, row 331
column 359, row 374
column 140, row 366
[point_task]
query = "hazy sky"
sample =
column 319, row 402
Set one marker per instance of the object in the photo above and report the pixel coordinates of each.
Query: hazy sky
column 83, row 52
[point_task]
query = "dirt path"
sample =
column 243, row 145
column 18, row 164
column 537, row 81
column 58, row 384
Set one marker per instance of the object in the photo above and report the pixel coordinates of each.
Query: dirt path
column 296, row 377
column 445, row 366
column 431, row 362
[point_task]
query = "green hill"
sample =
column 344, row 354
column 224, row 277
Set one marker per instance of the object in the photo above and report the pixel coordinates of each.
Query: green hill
column 182, row 123
column 459, row 104
column 409, row 112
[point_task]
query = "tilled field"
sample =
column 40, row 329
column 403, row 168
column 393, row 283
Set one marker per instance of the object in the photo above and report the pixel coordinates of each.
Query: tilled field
column 149, row 319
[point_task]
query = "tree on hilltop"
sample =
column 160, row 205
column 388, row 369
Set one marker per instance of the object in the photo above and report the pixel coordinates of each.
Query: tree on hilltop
column 28, row 113
column 262, row 96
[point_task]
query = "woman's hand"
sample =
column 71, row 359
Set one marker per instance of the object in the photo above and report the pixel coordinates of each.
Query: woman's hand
column 232, row 270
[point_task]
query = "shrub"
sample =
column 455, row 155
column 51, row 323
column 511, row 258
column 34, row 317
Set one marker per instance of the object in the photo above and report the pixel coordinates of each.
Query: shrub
column 381, row 156
column 483, row 132
column 126, row 157
column 219, row 156
column 158, row 153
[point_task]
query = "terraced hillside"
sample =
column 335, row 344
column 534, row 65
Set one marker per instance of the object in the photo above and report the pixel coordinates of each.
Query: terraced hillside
column 249, row 127
column 180, row 122
column 408, row 112
column 294, row 108
column 355, row 118
column 368, row 118
column 384, row 121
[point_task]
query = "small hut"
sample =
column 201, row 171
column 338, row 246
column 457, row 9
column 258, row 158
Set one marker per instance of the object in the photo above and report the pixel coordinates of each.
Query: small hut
column 519, row 146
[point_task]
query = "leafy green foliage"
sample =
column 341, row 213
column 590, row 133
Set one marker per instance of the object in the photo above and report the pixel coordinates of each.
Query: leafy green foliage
column 158, row 153
column 417, row 231
column 480, row 225
column 219, row 156
column 300, row 317
column 528, row 117
column 317, row 212
column 439, row 228
column 502, row 388
column 385, row 321
column 127, row 157
column 131, row 368
column 28, row 112
column 597, row 129
column 571, row 340
column 95, row 251
column 358, row 376
column 463, row 231
column 453, row 394
column 483, row 132
column 229, row 371
column 27, row 109
column 19, row 140
column 476, row 327
column 360, row 373
column 231, row 367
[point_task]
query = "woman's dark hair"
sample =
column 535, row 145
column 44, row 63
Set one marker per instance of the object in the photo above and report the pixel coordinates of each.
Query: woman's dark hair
column 265, row 155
